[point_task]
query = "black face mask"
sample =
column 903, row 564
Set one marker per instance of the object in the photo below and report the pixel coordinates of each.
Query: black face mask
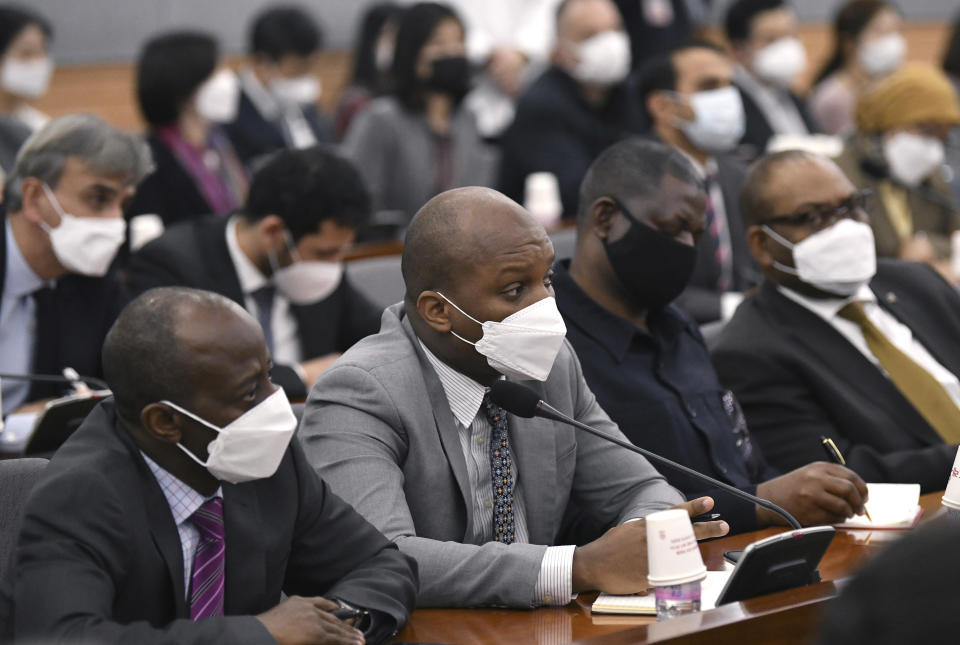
column 450, row 75
column 654, row 268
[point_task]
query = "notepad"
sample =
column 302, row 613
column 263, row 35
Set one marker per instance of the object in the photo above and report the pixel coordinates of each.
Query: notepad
column 710, row 588
column 892, row 506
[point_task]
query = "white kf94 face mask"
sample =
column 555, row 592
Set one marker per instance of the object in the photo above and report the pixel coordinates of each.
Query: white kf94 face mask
column 84, row 245
column 252, row 445
column 839, row 259
column 523, row 345
column 305, row 282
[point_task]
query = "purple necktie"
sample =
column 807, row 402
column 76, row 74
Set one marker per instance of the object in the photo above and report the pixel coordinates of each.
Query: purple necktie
column 206, row 583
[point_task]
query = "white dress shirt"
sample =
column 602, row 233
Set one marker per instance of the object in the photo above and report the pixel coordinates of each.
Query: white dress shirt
column 465, row 396
column 184, row 502
column 18, row 314
column 894, row 330
column 286, row 339
column 775, row 103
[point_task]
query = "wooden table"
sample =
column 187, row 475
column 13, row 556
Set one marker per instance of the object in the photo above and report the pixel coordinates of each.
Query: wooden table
column 787, row 617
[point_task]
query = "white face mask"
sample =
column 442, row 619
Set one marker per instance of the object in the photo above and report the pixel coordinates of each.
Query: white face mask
column 912, row 157
column 523, row 345
column 781, row 62
column 719, row 120
column 219, row 96
column 604, row 58
column 27, row 79
column 839, row 259
column 251, row 446
column 305, row 282
column 300, row 90
column 85, row 245
column 882, row 55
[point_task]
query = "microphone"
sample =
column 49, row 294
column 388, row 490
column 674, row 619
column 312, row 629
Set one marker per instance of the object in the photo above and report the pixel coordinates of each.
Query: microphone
column 522, row 401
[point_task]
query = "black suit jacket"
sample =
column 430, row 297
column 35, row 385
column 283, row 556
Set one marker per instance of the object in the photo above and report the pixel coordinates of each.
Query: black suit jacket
column 99, row 558
column 253, row 136
column 195, row 254
column 72, row 319
column 758, row 132
column 701, row 299
column 797, row 378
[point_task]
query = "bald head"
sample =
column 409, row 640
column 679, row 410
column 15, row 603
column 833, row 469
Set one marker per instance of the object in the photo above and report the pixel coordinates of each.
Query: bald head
column 577, row 20
column 156, row 345
column 457, row 233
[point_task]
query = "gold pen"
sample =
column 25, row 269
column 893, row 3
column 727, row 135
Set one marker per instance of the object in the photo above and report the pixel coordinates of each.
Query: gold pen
column 833, row 454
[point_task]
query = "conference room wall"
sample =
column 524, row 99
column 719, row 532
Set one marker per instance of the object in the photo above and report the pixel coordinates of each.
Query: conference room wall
column 105, row 31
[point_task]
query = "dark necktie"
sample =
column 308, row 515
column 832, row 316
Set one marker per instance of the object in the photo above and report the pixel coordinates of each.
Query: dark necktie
column 263, row 298
column 501, row 471
column 924, row 392
column 206, row 584
column 717, row 236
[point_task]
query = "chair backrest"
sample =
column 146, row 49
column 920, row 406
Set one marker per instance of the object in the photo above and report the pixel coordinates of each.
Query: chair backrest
column 378, row 278
column 564, row 242
column 17, row 478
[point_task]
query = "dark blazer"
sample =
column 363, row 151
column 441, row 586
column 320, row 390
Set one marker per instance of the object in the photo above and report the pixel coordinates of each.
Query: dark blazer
column 72, row 319
column 758, row 132
column 797, row 378
column 195, row 254
column 253, row 135
column 99, row 558
column 169, row 191
column 701, row 299
column 556, row 130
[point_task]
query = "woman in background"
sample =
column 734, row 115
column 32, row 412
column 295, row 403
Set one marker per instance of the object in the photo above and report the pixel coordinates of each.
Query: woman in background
column 184, row 94
column 868, row 45
column 419, row 141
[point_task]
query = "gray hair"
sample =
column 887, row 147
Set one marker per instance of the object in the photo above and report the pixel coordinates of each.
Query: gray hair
column 104, row 149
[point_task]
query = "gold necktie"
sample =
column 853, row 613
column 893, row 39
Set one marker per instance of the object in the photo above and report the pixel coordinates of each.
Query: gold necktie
column 925, row 392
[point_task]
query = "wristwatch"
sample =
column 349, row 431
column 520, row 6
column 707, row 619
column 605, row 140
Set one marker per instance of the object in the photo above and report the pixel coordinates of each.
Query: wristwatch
column 361, row 617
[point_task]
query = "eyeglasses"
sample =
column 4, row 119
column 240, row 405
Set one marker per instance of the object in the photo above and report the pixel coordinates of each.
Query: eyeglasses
column 856, row 206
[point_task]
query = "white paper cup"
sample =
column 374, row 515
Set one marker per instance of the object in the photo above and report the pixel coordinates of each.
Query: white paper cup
column 673, row 555
column 951, row 496
column 542, row 197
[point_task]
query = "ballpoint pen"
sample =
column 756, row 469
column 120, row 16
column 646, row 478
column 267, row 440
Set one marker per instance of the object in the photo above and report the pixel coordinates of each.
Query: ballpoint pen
column 834, row 455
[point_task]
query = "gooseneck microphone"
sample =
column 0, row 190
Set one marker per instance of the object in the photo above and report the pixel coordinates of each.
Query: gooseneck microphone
column 521, row 401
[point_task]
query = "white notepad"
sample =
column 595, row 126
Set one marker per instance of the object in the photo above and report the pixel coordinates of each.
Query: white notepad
column 892, row 506
column 710, row 588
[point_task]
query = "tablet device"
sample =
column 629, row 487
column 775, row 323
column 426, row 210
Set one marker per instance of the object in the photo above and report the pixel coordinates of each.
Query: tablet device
column 777, row 563
column 59, row 419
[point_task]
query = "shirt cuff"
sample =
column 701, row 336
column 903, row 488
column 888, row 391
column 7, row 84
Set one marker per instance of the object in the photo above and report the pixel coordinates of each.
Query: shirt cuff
column 555, row 582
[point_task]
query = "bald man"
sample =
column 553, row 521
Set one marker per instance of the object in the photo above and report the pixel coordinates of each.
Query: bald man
column 835, row 343
column 402, row 428
column 575, row 109
column 179, row 511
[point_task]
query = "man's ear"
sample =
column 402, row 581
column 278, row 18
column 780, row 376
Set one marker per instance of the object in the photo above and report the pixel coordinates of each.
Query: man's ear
column 757, row 241
column 272, row 233
column 660, row 106
column 161, row 423
column 601, row 216
column 33, row 200
column 435, row 311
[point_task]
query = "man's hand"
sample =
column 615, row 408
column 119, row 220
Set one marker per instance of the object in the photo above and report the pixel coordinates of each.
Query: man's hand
column 818, row 493
column 306, row 621
column 313, row 368
column 616, row 562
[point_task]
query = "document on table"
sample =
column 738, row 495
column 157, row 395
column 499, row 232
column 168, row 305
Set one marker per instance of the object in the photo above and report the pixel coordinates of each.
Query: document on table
column 892, row 506
column 710, row 588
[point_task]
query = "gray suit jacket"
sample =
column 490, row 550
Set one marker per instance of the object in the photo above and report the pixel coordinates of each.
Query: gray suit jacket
column 379, row 429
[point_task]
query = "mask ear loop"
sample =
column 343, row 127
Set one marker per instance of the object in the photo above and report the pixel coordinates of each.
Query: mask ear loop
column 291, row 249
column 198, row 420
column 451, row 303
column 782, row 241
column 56, row 206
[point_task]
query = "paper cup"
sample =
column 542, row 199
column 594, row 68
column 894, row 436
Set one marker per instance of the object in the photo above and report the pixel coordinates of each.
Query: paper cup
column 673, row 555
column 951, row 496
column 542, row 197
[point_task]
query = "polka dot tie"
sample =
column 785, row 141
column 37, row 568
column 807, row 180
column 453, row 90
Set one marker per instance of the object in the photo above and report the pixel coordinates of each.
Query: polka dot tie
column 501, row 471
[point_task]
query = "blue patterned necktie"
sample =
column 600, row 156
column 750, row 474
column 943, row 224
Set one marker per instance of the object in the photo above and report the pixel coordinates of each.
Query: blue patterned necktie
column 501, row 471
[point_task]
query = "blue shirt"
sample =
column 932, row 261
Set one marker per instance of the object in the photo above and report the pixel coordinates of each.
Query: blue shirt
column 662, row 390
column 17, row 323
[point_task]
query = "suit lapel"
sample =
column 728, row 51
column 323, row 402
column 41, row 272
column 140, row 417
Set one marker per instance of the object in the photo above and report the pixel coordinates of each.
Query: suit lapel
column 165, row 535
column 222, row 274
column 245, row 567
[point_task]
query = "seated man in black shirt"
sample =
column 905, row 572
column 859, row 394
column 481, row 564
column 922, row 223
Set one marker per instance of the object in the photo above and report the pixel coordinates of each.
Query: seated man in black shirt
column 642, row 208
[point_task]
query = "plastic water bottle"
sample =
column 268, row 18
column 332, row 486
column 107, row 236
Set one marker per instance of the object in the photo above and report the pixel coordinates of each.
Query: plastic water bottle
column 676, row 600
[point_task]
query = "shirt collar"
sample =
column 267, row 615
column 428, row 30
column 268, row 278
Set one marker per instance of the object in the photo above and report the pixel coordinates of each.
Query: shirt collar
column 182, row 498
column 704, row 170
column 464, row 395
column 614, row 333
column 827, row 308
column 262, row 99
column 248, row 274
column 20, row 279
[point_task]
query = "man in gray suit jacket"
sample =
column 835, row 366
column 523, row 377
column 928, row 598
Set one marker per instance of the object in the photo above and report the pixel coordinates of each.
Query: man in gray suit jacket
column 401, row 427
